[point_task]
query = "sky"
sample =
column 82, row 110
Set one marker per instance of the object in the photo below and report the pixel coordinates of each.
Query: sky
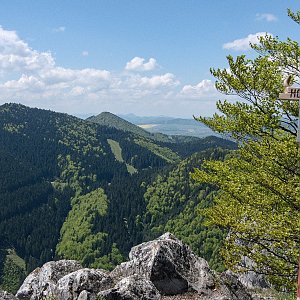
column 128, row 56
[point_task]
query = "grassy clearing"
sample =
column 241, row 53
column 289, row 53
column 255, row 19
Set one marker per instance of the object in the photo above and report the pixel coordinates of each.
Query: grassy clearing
column 116, row 150
column 131, row 169
column 16, row 259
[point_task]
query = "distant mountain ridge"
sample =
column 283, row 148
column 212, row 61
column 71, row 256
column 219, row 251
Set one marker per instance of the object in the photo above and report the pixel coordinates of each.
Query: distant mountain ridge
column 139, row 120
column 170, row 126
column 111, row 120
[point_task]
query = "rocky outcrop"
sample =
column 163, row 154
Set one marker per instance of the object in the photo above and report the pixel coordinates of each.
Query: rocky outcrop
column 132, row 288
column 169, row 264
column 42, row 282
column 6, row 296
column 84, row 282
column 231, row 288
column 164, row 266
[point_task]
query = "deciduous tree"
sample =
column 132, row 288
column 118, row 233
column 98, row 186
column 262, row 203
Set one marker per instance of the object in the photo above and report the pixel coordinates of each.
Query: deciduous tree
column 259, row 198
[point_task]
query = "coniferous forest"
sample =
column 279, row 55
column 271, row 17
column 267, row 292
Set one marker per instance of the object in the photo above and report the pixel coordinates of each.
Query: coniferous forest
column 77, row 189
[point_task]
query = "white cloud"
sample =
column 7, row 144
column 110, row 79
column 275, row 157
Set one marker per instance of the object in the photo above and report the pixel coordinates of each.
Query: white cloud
column 204, row 87
column 244, row 43
column 266, row 17
column 16, row 55
column 34, row 78
column 83, row 77
column 37, row 73
column 135, row 87
column 25, row 83
column 85, row 53
column 167, row 79
column 59, row 29
column 137, row 64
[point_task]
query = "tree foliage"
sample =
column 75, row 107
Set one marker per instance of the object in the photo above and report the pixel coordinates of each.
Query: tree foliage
column 14, row 272
column 259, row 198
column 77, row 241
column 174, row 201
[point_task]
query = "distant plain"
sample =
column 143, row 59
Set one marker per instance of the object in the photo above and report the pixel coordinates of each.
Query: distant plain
column 170, row 126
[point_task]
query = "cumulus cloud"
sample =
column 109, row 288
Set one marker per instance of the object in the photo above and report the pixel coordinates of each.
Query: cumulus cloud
column 167, row 79
column 39, row 73
column 25, row 83
column 73, row 76
column 34, row 78
column 16, row 55
column 266, row 17
column 38, row 76
column 204, row 87
column 244, row 43
column 138, row 64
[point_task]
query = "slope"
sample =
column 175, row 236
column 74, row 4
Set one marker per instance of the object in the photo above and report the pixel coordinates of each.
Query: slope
column 111, row 120
column 54, row 167
column 170, row 126
column 46, row 158
column 174, row 204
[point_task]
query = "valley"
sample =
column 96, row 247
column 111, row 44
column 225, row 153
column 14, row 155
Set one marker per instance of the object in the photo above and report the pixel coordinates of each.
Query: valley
column 91, row 189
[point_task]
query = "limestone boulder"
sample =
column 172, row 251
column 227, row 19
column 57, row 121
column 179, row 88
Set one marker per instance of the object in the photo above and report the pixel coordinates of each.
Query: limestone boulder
column 228, row 287
column 169, row 264
column 231, row 288
column 85, row 295
column 42, row 282
column 83, row 284
column 6, row 296
column 132, row 288
column 164, row 266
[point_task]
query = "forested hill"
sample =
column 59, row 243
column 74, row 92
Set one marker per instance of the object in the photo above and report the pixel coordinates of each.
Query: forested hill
column 111, row 120
column 75, row 189
column 183, row 145
column 174, row 202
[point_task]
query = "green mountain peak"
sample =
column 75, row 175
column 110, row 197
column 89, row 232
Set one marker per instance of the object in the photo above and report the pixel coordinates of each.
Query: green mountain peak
column 111, row 120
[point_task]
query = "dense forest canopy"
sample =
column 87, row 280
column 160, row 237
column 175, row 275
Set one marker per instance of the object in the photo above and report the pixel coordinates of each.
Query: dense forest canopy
column 71, row 188
column 259, row 198
column 174, row 203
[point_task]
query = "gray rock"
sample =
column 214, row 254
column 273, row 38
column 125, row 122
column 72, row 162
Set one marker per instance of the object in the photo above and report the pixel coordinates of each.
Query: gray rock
column 231, row 288
column 251, row 279
column 30, row 284
column 6, row 296
column 132, row 288
column 83, row 284
column 163, row 266
column 85, row 295
column 41, row 283
column 169, row 264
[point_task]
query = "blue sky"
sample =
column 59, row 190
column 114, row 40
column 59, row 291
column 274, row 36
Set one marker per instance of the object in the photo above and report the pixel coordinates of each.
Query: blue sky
column 144, row 57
